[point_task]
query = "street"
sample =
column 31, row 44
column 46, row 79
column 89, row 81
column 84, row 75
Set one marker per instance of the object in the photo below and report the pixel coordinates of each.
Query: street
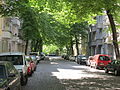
column 58, row 74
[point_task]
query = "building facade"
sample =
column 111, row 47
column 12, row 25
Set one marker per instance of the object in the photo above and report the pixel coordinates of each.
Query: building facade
column 100, row 37
column 9, row 38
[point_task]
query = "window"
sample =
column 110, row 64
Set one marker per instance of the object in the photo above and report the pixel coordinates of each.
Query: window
column 104, row 58
column 15, row 59
column 2, row 71
column 11, row 69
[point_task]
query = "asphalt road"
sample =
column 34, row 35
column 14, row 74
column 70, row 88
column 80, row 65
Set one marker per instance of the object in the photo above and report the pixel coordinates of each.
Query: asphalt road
column 58, row 74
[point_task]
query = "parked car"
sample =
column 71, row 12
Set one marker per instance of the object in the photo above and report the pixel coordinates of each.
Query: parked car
column 42, row 56
column 34, row 61
column 88, row 60
column 29, row 65
column 100, row 61
column 66, row 57
column 72, row 58
column 9, row 77
column 114, row 67
column 52, row 55
column 36, row 54
column 18, row 60
column 81, row 59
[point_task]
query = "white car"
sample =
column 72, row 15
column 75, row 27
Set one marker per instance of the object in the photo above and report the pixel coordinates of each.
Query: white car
column 18, row 60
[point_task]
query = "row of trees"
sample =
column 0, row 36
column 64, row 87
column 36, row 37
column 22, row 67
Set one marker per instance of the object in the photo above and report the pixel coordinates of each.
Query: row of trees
column 58, row 21
column 41, row 24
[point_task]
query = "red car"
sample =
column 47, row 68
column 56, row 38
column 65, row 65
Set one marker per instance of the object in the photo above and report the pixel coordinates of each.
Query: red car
column 100, row 60
column 29, row 69
column 30, row 65
column 33, row 62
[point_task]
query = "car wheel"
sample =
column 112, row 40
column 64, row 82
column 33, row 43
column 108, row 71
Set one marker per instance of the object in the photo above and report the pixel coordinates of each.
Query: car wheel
column 30, row 73
column 91, row 66
column 106, row 70
column 77, row 62
column 35, row 68
column 24, row 80
column 116, row 72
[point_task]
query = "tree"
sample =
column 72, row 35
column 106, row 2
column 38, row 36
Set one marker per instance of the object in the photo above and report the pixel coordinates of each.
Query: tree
column 84, row 9
column 79, row 30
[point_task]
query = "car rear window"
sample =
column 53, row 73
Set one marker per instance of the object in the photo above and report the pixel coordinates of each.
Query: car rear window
column 82, row 57
column 33, row 57
column 15, row 59
column 2, row 71
column 104, row 58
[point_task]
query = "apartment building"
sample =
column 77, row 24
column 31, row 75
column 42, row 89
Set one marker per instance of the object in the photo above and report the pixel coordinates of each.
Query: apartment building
column 100, row 37
column 9, row 38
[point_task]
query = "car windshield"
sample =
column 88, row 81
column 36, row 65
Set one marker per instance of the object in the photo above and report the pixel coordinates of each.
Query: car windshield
column 82, row 57
column 104, row 58
column 27, row 58
column 2, row 71
column 15, row 59
column 33, row 57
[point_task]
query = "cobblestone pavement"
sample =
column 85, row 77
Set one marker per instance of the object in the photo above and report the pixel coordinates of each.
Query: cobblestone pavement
column 65, row 75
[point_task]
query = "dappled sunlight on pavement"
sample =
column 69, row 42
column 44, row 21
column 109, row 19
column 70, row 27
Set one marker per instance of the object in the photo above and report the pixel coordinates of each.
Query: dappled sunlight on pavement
column 71, row 74
column 53, row 74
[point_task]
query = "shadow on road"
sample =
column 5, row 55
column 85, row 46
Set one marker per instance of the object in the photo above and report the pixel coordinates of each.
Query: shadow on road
column 93, row 84
column 53, row 74
column 42, row 79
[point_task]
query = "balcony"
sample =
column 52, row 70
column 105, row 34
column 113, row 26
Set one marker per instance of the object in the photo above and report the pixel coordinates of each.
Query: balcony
column 6, row 34
column 15, row 21
column 20, row 41
column 99, row 41
column 99, row 25
column 15, row 38
column 93, row 28
column 93, row 43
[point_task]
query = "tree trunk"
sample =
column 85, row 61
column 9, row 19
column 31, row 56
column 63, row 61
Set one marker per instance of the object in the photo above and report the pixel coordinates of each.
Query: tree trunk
column 114, row 34
column 72, row 51
column 32, row 45
column 40, row 45
column 26, row 47
column 36, row 45
column 77, row 48
column 68, row 51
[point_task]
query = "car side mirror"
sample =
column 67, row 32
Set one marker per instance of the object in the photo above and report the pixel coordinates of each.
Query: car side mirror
column 11, row 75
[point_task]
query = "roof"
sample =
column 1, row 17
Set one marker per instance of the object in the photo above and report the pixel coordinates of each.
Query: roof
column 12, row 53
column 102, row 55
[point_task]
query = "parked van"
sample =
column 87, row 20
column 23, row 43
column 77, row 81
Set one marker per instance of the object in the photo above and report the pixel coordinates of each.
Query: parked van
column 100, row 61
column 18, row 60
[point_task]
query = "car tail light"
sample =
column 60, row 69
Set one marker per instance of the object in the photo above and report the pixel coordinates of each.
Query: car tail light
column 29, row 69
